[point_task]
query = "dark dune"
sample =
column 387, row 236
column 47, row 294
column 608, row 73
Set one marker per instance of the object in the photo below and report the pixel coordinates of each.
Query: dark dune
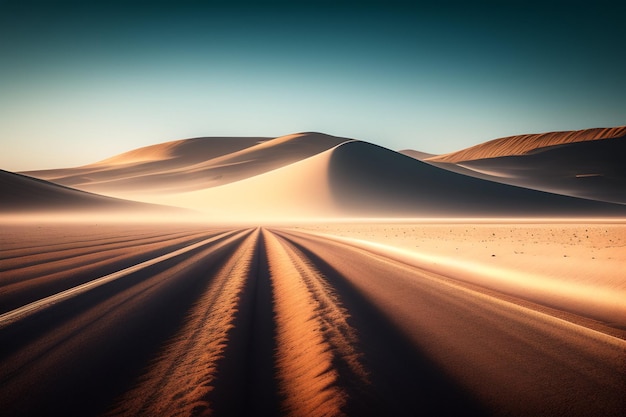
column 22, row 194
column 594, row 169
column 366, row 179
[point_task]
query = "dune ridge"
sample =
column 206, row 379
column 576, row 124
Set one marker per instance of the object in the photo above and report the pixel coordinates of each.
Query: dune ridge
column 523, row 144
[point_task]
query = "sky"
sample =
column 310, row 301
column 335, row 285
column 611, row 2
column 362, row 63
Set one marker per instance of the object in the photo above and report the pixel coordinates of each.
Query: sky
column 82, row 81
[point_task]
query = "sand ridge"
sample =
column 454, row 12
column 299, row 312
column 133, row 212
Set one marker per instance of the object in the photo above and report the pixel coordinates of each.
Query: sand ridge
column 523, row 144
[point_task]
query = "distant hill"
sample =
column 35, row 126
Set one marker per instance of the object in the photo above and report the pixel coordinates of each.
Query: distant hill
column 588, row 164
column 187, row 165
column 22, row 195
column 420, row 156
column 523, row 144
column 312, row 175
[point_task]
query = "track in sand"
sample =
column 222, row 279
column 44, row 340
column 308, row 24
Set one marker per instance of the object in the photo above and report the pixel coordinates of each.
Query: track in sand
column 262, row 321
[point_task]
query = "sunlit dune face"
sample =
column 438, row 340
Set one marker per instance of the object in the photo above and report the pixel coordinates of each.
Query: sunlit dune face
column 298, row 190
column 160, row 152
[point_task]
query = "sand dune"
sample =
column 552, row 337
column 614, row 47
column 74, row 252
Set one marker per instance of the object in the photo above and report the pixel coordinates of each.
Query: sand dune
column 586, row 164
column 420, row 156
column 365, row 180
column 523, row 144
column 188, row 165
column 592, row 169
column 318, row 175
column 22, row 195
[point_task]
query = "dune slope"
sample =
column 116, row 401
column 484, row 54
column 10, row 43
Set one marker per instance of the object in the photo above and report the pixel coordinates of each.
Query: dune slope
column 368, row 179
column 592, row 169
column 22, row 194
column 361, row 179
column 189, row 165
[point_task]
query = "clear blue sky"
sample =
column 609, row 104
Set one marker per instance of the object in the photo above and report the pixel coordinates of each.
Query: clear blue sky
column 81, row 81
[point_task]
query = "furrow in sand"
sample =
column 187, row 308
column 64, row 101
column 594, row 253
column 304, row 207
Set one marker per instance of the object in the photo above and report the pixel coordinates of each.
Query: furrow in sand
column 179, row 380
column 315, row 343
column 21, row 286
column 28, row 309
column 22, row 259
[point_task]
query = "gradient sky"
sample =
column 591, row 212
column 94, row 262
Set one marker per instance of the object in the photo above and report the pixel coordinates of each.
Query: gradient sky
column 81, row 81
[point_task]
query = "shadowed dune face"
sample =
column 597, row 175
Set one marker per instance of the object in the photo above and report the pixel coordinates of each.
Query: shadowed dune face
column 24, row 195
column 369, row 180
column 522, row 144
column 591, row 169
column 189, row 165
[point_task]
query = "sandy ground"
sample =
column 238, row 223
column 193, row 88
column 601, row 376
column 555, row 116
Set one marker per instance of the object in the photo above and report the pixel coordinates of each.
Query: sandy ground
column 575, row 266
column 121, row 320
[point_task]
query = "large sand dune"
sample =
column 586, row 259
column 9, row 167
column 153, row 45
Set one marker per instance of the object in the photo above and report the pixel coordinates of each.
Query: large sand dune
column 594, row 169
column 186, row 165
column 365, row 180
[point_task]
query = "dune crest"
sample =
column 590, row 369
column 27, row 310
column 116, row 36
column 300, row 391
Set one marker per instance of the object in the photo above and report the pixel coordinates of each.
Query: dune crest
column 523, row 144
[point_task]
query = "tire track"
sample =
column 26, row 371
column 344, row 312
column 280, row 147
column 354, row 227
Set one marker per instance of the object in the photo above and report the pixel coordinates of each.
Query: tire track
column 180, row 379
column 513, row 360
column 24, row 285
column 35, row 306
column 33, row 256
column 314, row 340
column 86, row 350
column 273, row 322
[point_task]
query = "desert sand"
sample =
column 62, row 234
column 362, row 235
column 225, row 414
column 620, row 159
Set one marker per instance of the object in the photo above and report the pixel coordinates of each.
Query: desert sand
column 317, row 276
column 570, row 266
column 103, row 319
column 360, row 179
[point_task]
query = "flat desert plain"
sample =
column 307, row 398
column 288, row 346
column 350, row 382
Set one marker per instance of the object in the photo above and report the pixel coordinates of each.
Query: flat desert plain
column 381, row 318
